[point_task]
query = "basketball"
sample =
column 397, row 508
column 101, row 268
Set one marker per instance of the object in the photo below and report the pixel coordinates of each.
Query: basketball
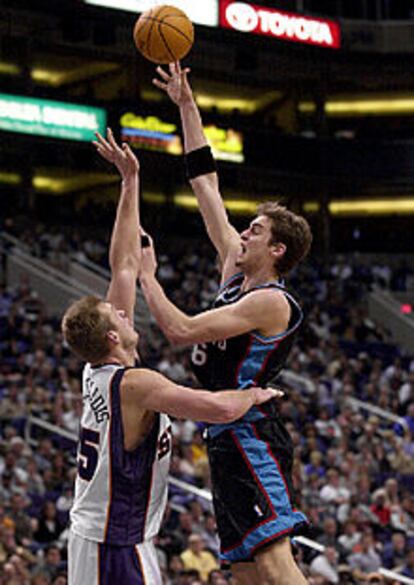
column 164, row 34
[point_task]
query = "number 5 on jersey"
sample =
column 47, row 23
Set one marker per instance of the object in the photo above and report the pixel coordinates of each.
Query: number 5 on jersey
column 88, row 453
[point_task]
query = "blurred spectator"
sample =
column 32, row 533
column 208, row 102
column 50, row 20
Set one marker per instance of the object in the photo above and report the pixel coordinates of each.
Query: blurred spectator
column 365, row 559
column 408, row 568
column 197, row 558
column 353, row 471
column 326, row 565
column 49, row 528
column 395, row 552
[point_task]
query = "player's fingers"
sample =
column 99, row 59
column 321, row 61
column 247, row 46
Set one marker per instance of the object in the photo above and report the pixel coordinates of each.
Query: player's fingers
column 112, row 141
column 130, row 155
column 160, row 84
column 276, row 392
column 102, row 140
column 163, row 73
column 105, row 153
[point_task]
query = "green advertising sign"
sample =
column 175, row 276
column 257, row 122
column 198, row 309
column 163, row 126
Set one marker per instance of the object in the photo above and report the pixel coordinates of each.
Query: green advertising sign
column 49, row 118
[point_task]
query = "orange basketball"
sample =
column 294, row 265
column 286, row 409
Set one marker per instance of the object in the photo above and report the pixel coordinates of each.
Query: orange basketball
column 164, row 34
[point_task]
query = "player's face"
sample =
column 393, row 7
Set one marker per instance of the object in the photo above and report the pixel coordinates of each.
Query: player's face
column 122, row 325
column 255, row 249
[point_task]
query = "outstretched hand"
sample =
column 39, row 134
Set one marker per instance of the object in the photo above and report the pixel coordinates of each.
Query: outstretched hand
column 175, row 83
column 122, row 157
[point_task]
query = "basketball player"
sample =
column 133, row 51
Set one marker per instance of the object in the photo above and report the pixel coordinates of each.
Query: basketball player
column 243, row 340
column 125, row 443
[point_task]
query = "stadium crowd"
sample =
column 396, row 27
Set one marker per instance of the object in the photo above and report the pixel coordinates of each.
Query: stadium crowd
column 353, row 471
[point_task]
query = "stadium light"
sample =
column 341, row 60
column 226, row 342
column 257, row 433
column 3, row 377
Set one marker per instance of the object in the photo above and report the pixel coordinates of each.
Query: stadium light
column 363, row 106
column 9, row 68
column 10, row 178
column 365, row 207
column 205, row 12
column 372, row 207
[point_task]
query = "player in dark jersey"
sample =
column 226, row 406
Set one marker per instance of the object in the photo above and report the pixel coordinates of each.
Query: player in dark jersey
column 245, row 338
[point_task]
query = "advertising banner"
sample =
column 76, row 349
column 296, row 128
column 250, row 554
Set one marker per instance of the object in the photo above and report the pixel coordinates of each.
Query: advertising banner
column 152, row 133
column 251, row 18
column 50, row 118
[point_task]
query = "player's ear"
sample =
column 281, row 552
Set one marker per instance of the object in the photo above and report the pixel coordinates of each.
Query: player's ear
column 277, row 250
column 113, row 336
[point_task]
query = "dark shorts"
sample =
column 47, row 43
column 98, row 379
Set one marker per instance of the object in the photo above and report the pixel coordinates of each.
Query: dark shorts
column 251, row 469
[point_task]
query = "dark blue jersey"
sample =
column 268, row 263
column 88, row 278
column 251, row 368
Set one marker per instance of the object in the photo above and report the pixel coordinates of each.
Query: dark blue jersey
column 248, row 359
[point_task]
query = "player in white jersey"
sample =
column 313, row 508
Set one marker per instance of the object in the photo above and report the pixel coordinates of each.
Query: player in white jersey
column 125, row 441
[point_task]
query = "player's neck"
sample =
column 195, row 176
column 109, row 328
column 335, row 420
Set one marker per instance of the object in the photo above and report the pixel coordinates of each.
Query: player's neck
column 122, row 356
column 258, row 278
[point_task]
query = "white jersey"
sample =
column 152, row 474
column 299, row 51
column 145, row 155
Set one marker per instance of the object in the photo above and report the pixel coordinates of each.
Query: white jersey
column 120, row 496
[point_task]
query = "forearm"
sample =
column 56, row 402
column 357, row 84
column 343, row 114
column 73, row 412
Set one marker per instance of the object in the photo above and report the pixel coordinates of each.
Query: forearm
column 173, row 322
column 211, row 407
column 192, row 126
column 125, row 241
column 232, row 404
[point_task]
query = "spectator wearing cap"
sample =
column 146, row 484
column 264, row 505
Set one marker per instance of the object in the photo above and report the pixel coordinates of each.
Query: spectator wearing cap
column 380, row 508
column 197, row 558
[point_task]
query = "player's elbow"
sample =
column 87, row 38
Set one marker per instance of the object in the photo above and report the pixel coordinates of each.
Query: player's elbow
column 125, row 264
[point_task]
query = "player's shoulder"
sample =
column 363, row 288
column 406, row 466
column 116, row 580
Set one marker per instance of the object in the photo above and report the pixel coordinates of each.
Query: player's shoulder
column 265, row 296
column 140, row 378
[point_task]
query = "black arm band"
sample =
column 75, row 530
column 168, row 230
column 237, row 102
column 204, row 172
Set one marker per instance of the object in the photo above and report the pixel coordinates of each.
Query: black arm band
column 199, row 162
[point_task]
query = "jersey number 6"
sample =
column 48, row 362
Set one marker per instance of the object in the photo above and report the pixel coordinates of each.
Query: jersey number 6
column 88, row 453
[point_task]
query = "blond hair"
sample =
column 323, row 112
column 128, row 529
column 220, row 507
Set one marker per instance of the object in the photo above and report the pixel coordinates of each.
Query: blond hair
column 85, row 328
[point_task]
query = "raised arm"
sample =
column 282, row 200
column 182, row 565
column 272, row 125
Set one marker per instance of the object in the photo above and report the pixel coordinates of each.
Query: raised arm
column 125, row 246
column 206, row 186
column 148, row 390
column 264, row 310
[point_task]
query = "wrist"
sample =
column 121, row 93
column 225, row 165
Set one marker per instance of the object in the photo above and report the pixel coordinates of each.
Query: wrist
column 187, row 102
column 129, row 178
column 253, row 395
column 147, row 278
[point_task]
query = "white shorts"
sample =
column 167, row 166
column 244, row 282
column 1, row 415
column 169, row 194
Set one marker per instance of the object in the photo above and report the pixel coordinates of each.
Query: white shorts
column 96, row 563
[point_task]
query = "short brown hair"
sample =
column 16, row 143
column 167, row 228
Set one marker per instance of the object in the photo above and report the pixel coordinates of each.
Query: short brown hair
column 84, row 328
column 290, row 229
